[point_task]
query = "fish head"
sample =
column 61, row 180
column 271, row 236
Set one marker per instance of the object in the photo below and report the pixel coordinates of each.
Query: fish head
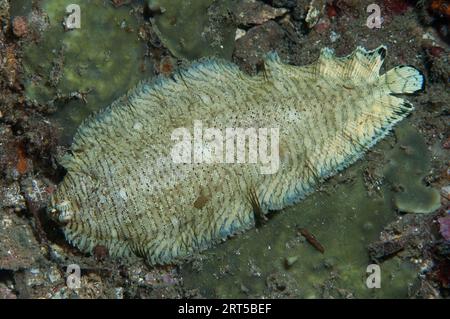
column 61, row 210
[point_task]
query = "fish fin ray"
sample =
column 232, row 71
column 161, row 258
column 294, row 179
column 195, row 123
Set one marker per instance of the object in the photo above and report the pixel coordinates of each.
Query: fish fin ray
column 361, row 64
column 403, row 79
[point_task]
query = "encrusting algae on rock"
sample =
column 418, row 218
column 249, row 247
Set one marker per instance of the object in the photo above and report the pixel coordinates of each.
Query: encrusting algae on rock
column 124, row 191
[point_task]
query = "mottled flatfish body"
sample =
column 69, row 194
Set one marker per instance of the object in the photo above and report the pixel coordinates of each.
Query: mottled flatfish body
column 124, row 191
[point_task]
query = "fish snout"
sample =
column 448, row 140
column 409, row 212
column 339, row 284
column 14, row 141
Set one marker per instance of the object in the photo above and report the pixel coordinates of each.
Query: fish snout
column 61, row 211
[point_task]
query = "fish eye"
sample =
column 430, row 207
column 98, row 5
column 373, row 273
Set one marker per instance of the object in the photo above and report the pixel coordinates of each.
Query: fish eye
column 61, row 211
column 53, row 212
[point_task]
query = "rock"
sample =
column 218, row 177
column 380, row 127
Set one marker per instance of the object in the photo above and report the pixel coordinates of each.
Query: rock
column 239, row 33
column 322, row 26
column 100, row 253
column 6, row 292
column 329, row 263
column 289, row 261
column 54, row 275
column 409, row 238
column 315, row 12
column 439, row 65
column 441, row 273
column 4, row 9
column 165, row 66
column 11, row 196
column 436, row 51
column 255, row 271
column 56, row 253
column 92, row 286
column 18, row 246
column 36, row 190
column 281, row 285
column 382, row 250
column 8, row 160
column 195, row 29
column 20, row 26
column 119, row 3
column 251, row 12
column 34, row 277
column 259, row 40
column 282, row 3
column 425, row 290
column 395, row 7
column 444, row 227
column 446, row 144
column 445, row 192
column 118, row 293
column 334, row 36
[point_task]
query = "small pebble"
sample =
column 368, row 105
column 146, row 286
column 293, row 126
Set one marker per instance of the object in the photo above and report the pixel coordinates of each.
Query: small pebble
column 20, row 26
column 445, row 192
column 334, row 36
column 289, row 261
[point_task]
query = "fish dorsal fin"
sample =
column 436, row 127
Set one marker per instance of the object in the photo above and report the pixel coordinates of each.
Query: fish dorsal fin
column 211, row 69
column 359, row 65
column 276, row 68
column 272, row 59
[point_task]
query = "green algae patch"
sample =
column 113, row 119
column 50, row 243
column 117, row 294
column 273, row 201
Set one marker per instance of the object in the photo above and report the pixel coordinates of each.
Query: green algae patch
column 18, row 8
column 409, row 164
column 195, row 28
column 83, row 70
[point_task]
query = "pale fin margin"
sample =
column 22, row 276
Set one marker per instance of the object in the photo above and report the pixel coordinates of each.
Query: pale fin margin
column 403, row 79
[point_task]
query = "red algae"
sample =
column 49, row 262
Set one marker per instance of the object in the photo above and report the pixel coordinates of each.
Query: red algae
column 396, row 7
column 444, row 227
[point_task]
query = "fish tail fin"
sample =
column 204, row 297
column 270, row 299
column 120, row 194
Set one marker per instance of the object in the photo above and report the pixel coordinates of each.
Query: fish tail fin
column 385, row 109
column 403, row 79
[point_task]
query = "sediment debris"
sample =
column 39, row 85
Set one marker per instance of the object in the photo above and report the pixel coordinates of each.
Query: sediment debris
column 310, row 238
column 20, row 26
column 252, row 12
column 315, row 11
column 444, row 227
